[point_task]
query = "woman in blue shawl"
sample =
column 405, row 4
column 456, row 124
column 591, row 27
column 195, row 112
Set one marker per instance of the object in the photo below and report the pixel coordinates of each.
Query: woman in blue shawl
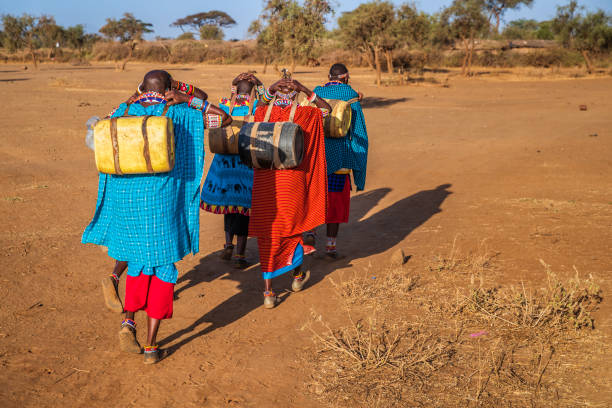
column 151, row 221
column 343, row 155
column 228, row 186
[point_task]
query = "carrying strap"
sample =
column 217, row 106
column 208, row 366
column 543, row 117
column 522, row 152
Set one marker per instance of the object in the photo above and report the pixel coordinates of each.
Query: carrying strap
column 146, row 152
column 232, row 104
column 252, row 101
column 294, row 106
column 350, row 101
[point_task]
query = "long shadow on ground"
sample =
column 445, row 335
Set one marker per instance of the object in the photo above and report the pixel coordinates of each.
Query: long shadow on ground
column 375, row 234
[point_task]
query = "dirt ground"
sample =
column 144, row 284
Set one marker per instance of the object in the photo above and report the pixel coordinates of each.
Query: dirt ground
column 512, row 162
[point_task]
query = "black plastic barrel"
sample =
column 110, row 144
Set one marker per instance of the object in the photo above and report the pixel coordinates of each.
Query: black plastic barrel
column 271, row 145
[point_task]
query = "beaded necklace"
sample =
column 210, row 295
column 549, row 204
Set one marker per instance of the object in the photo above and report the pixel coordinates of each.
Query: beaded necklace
column 283, row 99
column 333, row 83
column 151, row 97
column 241, row 100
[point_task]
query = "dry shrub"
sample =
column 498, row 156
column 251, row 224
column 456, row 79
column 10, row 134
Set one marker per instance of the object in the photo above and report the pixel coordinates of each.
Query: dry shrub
column 559, row 305
column 375, row 364
column 368, row 288
column 469, row 344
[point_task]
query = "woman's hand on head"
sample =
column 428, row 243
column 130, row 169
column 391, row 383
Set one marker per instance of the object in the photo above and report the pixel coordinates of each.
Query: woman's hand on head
column 176, row 97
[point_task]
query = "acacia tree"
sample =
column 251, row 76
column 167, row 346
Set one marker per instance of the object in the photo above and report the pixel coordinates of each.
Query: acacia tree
column 290, row 30
column 209, row 24
column 368, row 29
column 590, row 33
column 498, row 8
column 466, row 21
column 127, row 30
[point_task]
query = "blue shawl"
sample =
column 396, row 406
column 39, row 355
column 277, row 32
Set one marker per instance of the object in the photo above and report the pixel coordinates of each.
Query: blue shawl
column 351, row 151
column 153, row 219
column 229, row 182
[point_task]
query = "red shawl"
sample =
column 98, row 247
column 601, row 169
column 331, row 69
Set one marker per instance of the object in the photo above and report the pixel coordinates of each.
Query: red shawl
column 289, row 202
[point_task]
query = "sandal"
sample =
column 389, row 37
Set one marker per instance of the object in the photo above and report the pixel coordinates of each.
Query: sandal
column 228, row 250
column 151, row 354
column 110, row 290
column 270, row 299
column 299, row 280
column 127, row 337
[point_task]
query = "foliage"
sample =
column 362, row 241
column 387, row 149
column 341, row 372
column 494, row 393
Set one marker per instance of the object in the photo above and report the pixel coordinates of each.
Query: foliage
column 523, row 29
column 412, row 27
column 588, row 33
column 18, row 31
column 287, row 29
column 215, row 18
column 211, row 32
column 186, row 36
column 498, row 8
column 465, row 20
column 126, row 29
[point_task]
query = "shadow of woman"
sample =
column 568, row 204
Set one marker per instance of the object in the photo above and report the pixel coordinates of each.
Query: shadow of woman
column 380, row 231
column 211, row 267
column 375, row 234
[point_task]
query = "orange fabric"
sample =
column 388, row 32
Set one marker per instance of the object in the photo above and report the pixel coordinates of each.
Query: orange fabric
column 276, row 253
column 286, row 203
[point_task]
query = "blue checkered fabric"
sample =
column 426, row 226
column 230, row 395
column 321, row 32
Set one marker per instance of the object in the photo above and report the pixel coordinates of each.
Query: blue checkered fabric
column 350, row 152
column 335, row 182
column 167, row 273
column 153, row 219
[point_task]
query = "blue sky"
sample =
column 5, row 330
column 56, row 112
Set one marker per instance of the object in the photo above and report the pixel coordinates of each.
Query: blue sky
column 92, row 14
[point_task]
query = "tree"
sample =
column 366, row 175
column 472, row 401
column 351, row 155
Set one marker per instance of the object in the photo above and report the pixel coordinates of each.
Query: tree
column 290, row 30
column 528, row 30
column 269, row 40
column 186, row 36
column 49, row 33
column 498, row 8
column 411, row 28
column 590, row 33
column 465, row 20
column 128, row 29
column 21, row 32
column 209, row 24
column 211, row 32
column 368, row 29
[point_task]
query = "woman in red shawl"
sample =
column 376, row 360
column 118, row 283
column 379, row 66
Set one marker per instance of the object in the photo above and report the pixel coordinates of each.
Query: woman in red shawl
column 287, row 203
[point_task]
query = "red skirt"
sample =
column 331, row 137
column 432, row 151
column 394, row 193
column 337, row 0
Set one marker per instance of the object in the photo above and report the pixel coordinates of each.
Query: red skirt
column 338, row 204
column 149, row 293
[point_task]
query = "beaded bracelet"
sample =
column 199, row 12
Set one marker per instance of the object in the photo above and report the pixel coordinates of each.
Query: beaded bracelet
column 186, row 88
column 196, row 103
column 261, row 90
column 212, row 121
column 267, row 96
column 234, row 89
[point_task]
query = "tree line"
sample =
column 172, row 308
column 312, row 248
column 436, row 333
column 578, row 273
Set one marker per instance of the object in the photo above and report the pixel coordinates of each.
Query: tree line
column 292, row 31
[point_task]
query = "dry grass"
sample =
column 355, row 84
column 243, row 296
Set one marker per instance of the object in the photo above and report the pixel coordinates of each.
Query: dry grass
column 469, row 343
column 371, row 288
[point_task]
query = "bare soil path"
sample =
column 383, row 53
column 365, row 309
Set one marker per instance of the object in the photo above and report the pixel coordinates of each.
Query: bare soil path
column 514, row 163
